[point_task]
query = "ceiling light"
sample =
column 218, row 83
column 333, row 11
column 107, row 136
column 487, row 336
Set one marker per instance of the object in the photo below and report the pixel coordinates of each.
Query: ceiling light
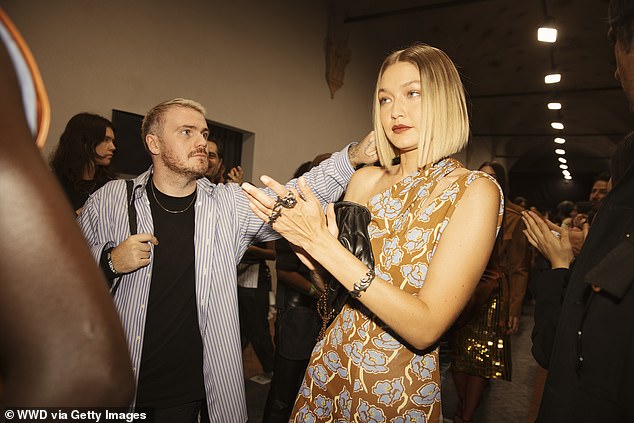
column 547, row 34
column 560, row 151
column 557, row 125
column 552, row 78
column 566, row 172
column 563, row 166
column 560, row 140
column 567, row 177
column 554, row 106
column 562, row 160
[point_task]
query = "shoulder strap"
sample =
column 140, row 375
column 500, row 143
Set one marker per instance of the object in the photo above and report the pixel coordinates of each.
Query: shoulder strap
column 131, row 209
column 129, row 183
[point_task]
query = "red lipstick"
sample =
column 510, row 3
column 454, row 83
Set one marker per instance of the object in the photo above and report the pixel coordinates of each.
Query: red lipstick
column 397, row 129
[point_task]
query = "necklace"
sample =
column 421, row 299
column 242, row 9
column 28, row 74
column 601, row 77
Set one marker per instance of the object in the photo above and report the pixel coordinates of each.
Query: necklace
column 166, row 209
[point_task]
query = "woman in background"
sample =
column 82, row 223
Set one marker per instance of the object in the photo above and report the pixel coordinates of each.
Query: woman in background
column 481, row 347
column 379, row 357
column 83, row 156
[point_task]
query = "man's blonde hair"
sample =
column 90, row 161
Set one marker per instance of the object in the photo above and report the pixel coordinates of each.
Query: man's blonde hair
column 154, row 119
column 444, row 119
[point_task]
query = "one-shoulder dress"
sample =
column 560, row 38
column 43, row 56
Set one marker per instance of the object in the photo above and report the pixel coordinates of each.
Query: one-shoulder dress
column 361, row 371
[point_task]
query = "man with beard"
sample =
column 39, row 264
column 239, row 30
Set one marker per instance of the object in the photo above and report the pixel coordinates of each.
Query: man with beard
column 214, row 159
column 177, row 295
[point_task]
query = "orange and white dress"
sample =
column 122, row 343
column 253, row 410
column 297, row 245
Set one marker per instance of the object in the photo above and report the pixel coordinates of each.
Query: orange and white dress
column 361, row 371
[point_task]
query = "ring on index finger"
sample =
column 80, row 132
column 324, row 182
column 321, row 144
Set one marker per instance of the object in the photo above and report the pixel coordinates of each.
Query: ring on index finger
column 288, row 201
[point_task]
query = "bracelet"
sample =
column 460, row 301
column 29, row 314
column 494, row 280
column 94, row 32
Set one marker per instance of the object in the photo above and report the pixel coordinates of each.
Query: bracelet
column 363, row 284
column 110, row 265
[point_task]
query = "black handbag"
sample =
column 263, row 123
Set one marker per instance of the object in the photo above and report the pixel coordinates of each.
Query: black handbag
column 352, row 220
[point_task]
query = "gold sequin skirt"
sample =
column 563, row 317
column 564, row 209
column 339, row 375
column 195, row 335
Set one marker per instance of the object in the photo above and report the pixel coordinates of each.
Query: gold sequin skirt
column 480, row 347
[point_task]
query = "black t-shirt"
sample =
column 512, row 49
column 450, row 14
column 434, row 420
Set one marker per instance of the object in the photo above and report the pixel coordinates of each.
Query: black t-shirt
column 172, row 360
column 78, row 194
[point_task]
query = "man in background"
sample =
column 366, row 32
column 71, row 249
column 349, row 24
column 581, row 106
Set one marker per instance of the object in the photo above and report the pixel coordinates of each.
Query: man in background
column 177, row 297
column 587, row 340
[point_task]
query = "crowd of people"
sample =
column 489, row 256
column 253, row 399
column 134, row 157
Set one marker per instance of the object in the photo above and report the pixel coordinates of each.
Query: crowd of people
column 416, row 248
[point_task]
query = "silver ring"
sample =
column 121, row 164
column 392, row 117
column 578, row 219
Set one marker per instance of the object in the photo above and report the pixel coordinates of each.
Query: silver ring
column 288, row 201
column 274, row 216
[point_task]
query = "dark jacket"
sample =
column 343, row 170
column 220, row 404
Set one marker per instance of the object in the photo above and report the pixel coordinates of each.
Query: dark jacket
column 587, row 342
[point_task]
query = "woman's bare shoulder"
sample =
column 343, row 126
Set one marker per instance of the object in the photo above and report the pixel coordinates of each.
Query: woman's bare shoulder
column 363, row 183
column 368, row 172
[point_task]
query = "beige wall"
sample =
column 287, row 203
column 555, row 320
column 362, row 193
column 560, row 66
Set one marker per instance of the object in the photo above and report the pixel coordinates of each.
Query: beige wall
column 255, row 65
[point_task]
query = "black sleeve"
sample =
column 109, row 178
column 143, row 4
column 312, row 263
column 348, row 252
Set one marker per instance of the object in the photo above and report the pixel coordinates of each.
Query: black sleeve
column 550, row 287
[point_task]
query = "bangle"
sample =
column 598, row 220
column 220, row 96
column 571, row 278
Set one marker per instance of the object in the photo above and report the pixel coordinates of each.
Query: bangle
column 363, row 284
column 110, row 265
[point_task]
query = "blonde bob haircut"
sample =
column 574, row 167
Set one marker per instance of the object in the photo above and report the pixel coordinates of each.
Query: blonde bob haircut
column 444, row 122
column 155, row 119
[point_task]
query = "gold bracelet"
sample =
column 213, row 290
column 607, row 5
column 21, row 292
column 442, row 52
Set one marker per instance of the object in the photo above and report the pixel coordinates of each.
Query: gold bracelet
column 363, row 284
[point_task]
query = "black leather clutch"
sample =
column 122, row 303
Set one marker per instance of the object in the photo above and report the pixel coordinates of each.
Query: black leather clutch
column 352, row 220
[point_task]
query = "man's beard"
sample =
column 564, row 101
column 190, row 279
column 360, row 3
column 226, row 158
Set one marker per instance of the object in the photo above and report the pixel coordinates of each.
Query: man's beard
column 193, row 171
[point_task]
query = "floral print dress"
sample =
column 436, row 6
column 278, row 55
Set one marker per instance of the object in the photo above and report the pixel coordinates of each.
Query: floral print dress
column 361, row 371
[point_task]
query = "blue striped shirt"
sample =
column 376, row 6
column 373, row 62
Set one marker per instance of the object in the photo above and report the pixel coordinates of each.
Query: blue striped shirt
column 224, row 227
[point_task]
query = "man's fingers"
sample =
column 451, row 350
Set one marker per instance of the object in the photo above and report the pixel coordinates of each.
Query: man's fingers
column 144, row 247
column 145, row 237
column 369, row 144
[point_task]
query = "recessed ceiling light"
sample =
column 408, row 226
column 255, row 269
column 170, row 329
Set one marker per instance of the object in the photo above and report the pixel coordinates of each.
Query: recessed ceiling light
column 547, row 34
column 562, row 160
column 560, row 151
column 560, row 140
column 557, row 125
column 552, row 78
column 568, row 177
column 554, row 106
column 563, row 166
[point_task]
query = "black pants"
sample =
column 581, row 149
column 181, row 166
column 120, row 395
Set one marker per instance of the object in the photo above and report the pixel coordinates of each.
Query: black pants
column 287, row 379
column 296, row 329
column 253, row 304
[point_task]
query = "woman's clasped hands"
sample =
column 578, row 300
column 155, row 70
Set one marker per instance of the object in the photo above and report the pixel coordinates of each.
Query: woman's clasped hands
column 296, row 215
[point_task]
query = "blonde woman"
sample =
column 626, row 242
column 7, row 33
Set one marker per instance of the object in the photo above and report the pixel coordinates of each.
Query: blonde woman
column 432, row 230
